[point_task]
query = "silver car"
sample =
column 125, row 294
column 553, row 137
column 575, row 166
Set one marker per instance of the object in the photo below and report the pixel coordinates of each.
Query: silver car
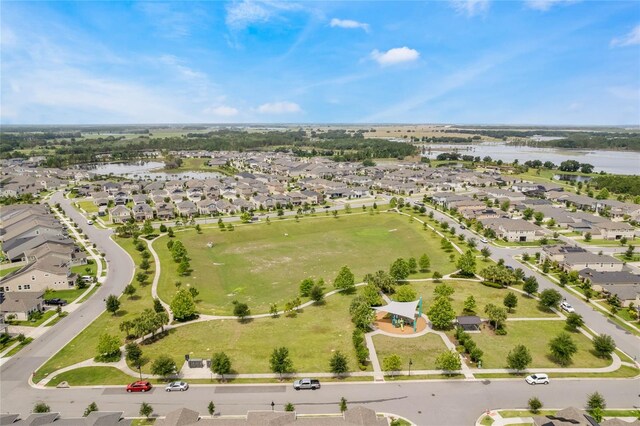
column 177, row 386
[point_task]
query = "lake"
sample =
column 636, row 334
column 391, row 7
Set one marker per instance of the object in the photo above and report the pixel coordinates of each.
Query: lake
column 145, row 170
column 617, row 162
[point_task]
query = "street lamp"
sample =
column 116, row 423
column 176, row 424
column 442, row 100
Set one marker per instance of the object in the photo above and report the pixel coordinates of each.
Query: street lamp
column 410, row 364
column 273, row 404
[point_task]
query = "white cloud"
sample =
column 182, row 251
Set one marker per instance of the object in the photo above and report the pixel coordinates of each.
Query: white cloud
column 243, row 14
column 470, row 7
column 222, row 111
column 394, row 56
column 349, row 24
column 630, row 39
column 279, row 108
column 544, row 5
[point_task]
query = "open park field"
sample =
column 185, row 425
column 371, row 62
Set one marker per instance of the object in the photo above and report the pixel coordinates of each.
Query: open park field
column 312, row 337
column 422, row 351
column 261, row 264
column 535, row 335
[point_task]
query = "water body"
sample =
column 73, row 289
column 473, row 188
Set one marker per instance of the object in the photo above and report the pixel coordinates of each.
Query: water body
column 145, row 170
column 572, row 178
column 617, row 162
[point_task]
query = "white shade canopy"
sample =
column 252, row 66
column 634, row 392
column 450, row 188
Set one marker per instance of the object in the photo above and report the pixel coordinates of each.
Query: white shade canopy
column 403, row 309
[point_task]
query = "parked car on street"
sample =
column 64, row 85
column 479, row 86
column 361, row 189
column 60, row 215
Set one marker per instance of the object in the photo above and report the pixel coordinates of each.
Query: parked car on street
column 484, row 240
column 55, row 302
column 139, row 386
column 177, row 386
column 566, row 306
column 312, row 384
column 537, row 379
column 90, row 222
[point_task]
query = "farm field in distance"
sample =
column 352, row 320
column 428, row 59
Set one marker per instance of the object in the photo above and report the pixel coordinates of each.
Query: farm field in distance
column 261, row 264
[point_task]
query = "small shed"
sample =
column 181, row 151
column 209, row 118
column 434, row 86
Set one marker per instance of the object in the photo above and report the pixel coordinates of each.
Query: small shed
column 469, row 323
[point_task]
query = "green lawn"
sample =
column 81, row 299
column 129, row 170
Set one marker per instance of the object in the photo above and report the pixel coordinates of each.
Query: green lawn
column 45, row 316
column 536, row 336
column 68, row 295
column 421, row 350
column 89, row 376
column 82, row 269
column 84, row 345
column 311, row 337
column 527, row 307
column 7, row 269
column 262, row 264
column 88, row 205
column 18, row 348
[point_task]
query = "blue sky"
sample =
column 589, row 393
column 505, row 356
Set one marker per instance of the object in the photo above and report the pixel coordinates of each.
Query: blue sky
column 495, row 62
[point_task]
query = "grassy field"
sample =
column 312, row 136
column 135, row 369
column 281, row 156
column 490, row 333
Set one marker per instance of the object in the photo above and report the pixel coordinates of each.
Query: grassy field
column 311, row 337
column 7, row 269
column 421, row 350
column 89, row 376
column 624, row 372
column 84, row 345
column 88, row 205
column 45, row 316
column 82, row 269
column 536, row 336
column 68, row 295
column 527, row 307
column 262, row 264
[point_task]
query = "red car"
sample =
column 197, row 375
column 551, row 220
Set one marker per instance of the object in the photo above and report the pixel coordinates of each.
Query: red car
column 139, row 386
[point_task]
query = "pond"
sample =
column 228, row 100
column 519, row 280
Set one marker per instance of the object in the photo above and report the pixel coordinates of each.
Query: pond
column 149, row 170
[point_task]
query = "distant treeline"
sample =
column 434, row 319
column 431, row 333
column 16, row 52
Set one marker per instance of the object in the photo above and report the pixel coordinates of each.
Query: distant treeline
column 350, row 147
column 620, row 184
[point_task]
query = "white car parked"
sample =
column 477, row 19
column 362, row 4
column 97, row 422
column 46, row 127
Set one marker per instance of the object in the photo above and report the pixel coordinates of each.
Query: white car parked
column 567, row 307
column 177, row 386
column 538, row 379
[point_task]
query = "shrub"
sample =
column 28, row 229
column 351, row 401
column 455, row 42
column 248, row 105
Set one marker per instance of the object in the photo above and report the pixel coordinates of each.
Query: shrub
column 534, row 405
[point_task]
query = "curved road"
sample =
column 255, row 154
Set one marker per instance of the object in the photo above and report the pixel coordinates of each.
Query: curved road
column 15, row 389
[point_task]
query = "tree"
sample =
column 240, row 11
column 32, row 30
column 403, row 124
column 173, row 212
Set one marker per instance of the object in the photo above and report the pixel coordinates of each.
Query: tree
column 534, row 405
column 603, row 194
column 530, row 285
column 424, row 263
column 441, row 313
column 510, row 301
column 443, row 290
column 485, row 252
column 170, row 232
column 629, row 253
column 392, row 363
column 604, row 345
column 527, row 214
column 361, row 313
column 382, row 281
column 145, row 265
column 194, row 292
column 129, row 290
column 399, row 270
column 345, row 280
column 90, row 409
column 538, row 217
column 343, row 404
column 241, row 310
column 550, row 298
column 587, row 236
column 596, row 400
column 145, row 408
column 211, row 408
column 183, row 306
column 413, row 265
column 273, row 310
column 448, row 361
column 406, row 293
column 305, row 287
column 497, row 316
column 317, row 294
column 469, row 305
column 134, row 354
column 371, row 294
column 41, row 407
column 108, row 347
column 163, row 227
column 198, row 229
column 519, row 358
column 141, row 278
column 467, row 264
column 574, row 321
column 183, row 267
column 280, row 362
column 147, row 228
column 112, row 304
column 437, row 276
column 338, row 363
column 289, row 407
column 562, row 348
column 126, row 326
column 163, row 366
column 221, row 364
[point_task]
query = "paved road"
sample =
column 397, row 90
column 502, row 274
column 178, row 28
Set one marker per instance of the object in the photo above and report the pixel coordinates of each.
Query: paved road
column 426, row 403
column 15, row 390
column 626, row 341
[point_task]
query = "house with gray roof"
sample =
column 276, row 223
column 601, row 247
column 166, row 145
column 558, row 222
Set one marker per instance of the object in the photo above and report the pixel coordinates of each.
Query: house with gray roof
column 517, row 230
column 20, row 304
column 598, row 262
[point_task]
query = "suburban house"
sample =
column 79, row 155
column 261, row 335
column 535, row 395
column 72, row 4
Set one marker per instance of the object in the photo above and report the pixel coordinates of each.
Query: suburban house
column 597, row 262
column 142, row 212
column 187, row 208
column 514, row 229
column 19, row 305
column 556, row 253
column 614, row 230
column 45, row 273
column 623, row 284
column 165, row 211
column 120, row 214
